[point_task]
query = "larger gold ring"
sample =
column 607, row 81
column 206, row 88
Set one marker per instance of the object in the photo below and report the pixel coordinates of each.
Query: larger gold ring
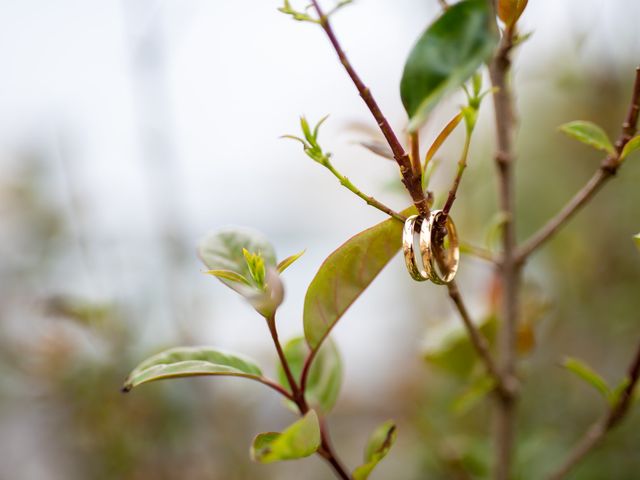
column 408, row 234
column 439, row 247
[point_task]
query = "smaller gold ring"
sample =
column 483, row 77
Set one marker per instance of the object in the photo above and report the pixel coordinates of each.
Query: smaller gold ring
column 440, row 264
column 408, row 233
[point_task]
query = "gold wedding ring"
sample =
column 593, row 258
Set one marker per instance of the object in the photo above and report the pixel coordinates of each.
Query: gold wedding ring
column 439, row 247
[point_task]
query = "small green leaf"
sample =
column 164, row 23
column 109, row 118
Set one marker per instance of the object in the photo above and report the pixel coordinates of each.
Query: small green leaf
column 345, row 274
column 631, row 146
column 377, row 448
column 300, row 440
column 325, row 376
column 446, row 55
column 636, row 240
column 286, row 263
column 493, row 231
column 189, row 362
column 447, row 346
column 587, row 374
column 478, row 390
column 616, row 393
column 229, row 275
column 590, row 134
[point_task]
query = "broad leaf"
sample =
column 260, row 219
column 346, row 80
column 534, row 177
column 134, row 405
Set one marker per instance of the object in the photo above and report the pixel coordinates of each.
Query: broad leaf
column 300, row 440
column 287, row 262
column 586, row 373
column 377, row 448
column 325, row 376
column 245, row 261
column 189, row 362
column 345, row 274
column 631, row 146
column 509, row 11
column 590, row 134
column 446, row 55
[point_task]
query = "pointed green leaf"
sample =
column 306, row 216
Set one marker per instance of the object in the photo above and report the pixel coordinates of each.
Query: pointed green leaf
column 325, row 376
column 590, row 134
column 345, row 274
column 229, row 275
column 189, row 362
column 631, row 146
column 616, row 393
column 587, row 374
column 377, row 448
column 286, row 263
column 446, row 55
column 300, row 440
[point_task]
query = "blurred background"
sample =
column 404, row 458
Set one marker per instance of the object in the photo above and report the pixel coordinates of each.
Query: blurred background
column 129, row 129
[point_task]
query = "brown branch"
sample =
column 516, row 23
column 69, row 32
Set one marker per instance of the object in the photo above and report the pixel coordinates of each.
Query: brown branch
column 607, row 170
column 596, row 433
column 298, row 397
column 478, row 340
column 296, row 393
column 505, row 120
column 410, row 179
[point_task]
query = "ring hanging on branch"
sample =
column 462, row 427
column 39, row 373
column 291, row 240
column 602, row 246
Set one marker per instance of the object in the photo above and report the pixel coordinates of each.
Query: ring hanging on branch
column 439, row 247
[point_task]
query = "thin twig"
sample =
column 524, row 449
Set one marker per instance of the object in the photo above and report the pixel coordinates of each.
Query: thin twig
column 327, row 452
column 271, row 384
column 462, row 165
column 607, row 170
column 410, row 179
column 297, row 393
column 505, row 415
column 345, row 182
column 478, row 340
column 596, row 433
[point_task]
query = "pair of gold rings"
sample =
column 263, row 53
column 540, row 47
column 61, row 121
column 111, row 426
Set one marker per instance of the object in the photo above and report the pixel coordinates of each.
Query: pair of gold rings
column 438, row 244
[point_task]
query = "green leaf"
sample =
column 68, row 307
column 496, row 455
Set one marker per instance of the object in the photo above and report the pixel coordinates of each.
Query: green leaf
column 478, row 390
column 345, row 274
column 286, row 263
column 631, row 146
column 445, row 56
column 636, row 240
column 587, row 374
column 447, row 345
column 247, row 254
column 229, row 275
column 616, row 393
column 300, row 440
column 189, row 362
column 224, row 251
column 325, row 375
column 377, row 448
column 590, row 134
